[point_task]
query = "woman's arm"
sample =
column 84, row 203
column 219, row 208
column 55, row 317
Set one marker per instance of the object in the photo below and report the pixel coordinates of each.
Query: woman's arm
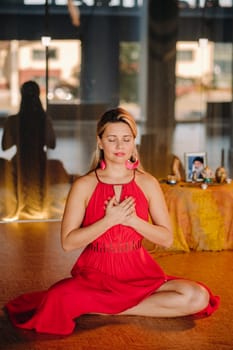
column 9, row 138
column 159, row 231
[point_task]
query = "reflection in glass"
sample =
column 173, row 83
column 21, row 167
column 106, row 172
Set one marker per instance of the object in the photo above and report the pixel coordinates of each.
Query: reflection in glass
column 31, row 132
column 127, row 53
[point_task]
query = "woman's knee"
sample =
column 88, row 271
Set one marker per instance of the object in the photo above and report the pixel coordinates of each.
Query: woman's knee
column 198, row 298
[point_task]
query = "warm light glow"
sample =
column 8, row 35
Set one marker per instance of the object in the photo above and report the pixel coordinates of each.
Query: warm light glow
column 203, row 42
column 45, row 40
column 36, row 216
column 10, row 219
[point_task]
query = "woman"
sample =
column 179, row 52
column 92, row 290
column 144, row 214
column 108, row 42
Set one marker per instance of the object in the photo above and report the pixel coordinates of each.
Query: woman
column 31, row 131
column 107, row 212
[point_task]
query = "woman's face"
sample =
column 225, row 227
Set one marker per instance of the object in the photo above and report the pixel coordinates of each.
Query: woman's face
column 117, row 142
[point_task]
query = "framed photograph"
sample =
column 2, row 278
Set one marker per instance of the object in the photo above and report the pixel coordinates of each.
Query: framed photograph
column 194, row 165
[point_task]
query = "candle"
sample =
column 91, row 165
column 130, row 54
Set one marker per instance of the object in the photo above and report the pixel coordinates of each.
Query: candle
column 222, row 157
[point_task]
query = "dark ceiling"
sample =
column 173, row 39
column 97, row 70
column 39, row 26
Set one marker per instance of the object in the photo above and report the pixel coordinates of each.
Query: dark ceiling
column 29, row 22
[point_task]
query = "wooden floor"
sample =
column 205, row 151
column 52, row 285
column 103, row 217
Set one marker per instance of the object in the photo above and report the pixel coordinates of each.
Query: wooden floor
column 31, row 259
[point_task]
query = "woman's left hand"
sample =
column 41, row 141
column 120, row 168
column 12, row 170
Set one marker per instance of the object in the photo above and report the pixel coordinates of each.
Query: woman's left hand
column 120, row 212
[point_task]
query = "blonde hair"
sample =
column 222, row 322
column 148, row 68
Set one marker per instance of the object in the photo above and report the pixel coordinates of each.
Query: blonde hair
column 115, row 115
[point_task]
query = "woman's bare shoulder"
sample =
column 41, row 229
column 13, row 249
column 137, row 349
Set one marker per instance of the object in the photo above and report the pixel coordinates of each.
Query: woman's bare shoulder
column 87, row 180
column 147, row 182
column 145, row 178
column 84, row 184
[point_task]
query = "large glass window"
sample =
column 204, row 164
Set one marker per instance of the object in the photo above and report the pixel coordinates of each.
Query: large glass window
column 175, row 79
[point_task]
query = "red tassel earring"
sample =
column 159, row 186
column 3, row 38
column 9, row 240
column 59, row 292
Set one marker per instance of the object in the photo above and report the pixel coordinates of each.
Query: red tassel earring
column 102, row 164
column 132, row 163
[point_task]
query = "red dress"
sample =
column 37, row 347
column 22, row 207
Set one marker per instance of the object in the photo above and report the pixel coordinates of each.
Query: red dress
column 113, row 273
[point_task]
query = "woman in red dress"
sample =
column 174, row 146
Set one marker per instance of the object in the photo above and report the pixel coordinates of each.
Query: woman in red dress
column 107, row 213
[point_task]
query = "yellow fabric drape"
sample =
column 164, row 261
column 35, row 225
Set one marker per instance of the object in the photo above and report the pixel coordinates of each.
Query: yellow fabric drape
column 201, row 219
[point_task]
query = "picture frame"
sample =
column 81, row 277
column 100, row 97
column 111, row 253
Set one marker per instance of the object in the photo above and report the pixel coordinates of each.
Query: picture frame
column 195, row 162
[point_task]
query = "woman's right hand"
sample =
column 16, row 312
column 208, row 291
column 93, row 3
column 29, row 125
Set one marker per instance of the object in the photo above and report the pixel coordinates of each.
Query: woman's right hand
column 117, row 212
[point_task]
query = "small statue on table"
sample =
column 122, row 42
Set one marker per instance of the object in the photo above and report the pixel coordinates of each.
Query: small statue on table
column 208, row 175
column 220, row 175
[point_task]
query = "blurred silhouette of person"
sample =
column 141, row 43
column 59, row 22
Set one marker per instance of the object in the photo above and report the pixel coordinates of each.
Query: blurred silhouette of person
column 31, row 131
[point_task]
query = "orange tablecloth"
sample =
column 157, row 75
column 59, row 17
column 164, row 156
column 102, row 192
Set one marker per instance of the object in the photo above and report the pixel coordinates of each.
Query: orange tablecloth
column 201, row 219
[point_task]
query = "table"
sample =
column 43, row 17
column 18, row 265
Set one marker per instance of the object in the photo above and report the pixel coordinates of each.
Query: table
column 201, row 219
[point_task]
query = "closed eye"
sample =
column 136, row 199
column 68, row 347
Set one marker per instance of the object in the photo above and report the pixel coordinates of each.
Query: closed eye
column 127, row 138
